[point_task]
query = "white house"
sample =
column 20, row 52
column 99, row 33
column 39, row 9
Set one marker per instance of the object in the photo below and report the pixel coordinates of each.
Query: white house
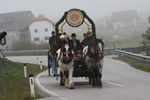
column 41, row 29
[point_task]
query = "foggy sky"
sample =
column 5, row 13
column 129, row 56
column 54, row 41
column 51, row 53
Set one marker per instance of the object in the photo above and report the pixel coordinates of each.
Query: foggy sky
column 54, row 9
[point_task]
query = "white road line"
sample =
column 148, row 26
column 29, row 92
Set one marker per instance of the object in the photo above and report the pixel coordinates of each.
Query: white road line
column 116, row 84
column 42, row 88
column 45, row 90
column 63, row 98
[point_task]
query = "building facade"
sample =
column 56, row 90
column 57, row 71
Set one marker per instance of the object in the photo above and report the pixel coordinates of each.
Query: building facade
column 40, row 30
column 15, row 24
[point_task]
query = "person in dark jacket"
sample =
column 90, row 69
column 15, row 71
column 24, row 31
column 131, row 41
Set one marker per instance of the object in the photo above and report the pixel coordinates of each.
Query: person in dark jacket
column 89, row 38
column 75, row 43
column 52, row 43
column 83, row 42
column 52, row 38
column 54, row 46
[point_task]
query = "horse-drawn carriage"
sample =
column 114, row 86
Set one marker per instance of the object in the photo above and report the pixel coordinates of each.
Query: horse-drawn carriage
column 89, row 64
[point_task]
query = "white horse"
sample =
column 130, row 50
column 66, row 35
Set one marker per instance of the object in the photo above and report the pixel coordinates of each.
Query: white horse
column 93, row 56
column 66, row 63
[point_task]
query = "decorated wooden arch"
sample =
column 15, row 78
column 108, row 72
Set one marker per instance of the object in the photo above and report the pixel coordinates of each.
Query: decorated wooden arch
column 75, row 18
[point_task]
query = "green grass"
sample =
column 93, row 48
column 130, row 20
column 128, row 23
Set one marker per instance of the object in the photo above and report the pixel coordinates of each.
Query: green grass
column 125, row 43
column 136, row 64
column 13, row 85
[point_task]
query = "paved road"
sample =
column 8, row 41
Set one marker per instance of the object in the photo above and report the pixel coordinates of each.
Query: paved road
column 120, row 82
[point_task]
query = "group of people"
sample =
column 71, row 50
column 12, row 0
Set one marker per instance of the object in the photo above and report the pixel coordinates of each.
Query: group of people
column 74, row 42
column 56, row 42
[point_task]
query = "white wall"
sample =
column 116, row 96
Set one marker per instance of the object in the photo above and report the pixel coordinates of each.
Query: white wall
column 40, row 26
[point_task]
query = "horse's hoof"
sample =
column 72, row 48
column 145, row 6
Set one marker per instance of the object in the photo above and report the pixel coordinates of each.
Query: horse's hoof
column 71, row 86
column 66, row 84
column 93, row 86
column 98, row 87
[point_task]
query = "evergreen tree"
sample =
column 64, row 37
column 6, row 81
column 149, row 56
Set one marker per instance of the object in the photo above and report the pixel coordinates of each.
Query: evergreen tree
column 146, row 41
column 146, row 35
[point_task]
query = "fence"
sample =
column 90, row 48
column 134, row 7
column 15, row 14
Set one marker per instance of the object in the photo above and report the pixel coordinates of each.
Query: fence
column 44, row 52
column 26, row 52
column 139, row 57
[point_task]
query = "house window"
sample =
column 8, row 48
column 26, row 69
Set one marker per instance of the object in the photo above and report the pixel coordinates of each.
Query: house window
column 36, row 39
column 46, row 38
column 46, row 29
column 35, row 30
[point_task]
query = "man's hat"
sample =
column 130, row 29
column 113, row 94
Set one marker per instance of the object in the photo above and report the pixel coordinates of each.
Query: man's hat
column 73, row 35
column 53, row 32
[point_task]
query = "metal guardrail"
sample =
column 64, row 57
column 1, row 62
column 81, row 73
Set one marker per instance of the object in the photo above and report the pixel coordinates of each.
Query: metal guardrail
column 26, row 52
column 44, row 52
column 134, row 56
column 129, row 49
column 33, row 52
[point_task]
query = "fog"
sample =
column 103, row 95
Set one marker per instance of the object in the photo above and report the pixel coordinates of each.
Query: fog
column 109, row 24
column 54, row 8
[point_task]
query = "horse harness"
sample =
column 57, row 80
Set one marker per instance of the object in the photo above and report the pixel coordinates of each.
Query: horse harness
column 64, row 53
column 94, row 56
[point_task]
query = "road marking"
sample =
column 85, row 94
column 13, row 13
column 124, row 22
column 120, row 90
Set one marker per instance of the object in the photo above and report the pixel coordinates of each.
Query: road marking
column 45, row 90
column 116, row 84
column 63, row 98
column 41, row 87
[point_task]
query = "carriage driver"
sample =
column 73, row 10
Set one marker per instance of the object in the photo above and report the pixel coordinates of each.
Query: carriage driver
column 88, row 39
column 83, row 42
column 75, row 43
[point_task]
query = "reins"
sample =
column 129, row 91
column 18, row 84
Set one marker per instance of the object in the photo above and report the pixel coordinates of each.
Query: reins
column 90, row 54
column 64, row 53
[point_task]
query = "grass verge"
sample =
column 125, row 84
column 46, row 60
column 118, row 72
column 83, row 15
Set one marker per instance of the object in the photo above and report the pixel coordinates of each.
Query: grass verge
column 13, row 85
column 134, row 63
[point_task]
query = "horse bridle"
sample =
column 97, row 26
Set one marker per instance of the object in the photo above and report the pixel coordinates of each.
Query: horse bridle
column 97, row 51
column 65, row 53
column 76, row 53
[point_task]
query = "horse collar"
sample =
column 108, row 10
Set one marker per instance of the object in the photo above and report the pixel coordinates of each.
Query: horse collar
column 89, row 53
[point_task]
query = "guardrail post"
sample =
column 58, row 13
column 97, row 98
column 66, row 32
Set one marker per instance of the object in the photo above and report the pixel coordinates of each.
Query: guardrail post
column 25, row 71
column 41, row 66
column 31, row 81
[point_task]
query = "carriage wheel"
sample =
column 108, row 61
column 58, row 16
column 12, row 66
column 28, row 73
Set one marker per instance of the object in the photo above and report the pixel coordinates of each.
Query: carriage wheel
column 49, row 63
column 61, row 79
column 100, row 79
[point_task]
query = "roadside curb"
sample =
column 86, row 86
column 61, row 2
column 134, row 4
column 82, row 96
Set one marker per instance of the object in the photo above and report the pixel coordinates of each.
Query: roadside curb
column 51, row 95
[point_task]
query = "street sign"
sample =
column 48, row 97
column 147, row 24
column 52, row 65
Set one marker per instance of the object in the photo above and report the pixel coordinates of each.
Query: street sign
column 3, row 38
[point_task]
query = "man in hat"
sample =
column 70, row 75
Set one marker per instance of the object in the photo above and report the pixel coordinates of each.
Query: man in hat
column 88, row 40
column 83, row 42
column 54, row 46
column 53, row 43
column 75, row 43
column 52, row 38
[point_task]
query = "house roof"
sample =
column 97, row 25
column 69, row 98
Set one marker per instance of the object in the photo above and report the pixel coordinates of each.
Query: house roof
column 41, row 18
column 16, row 20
